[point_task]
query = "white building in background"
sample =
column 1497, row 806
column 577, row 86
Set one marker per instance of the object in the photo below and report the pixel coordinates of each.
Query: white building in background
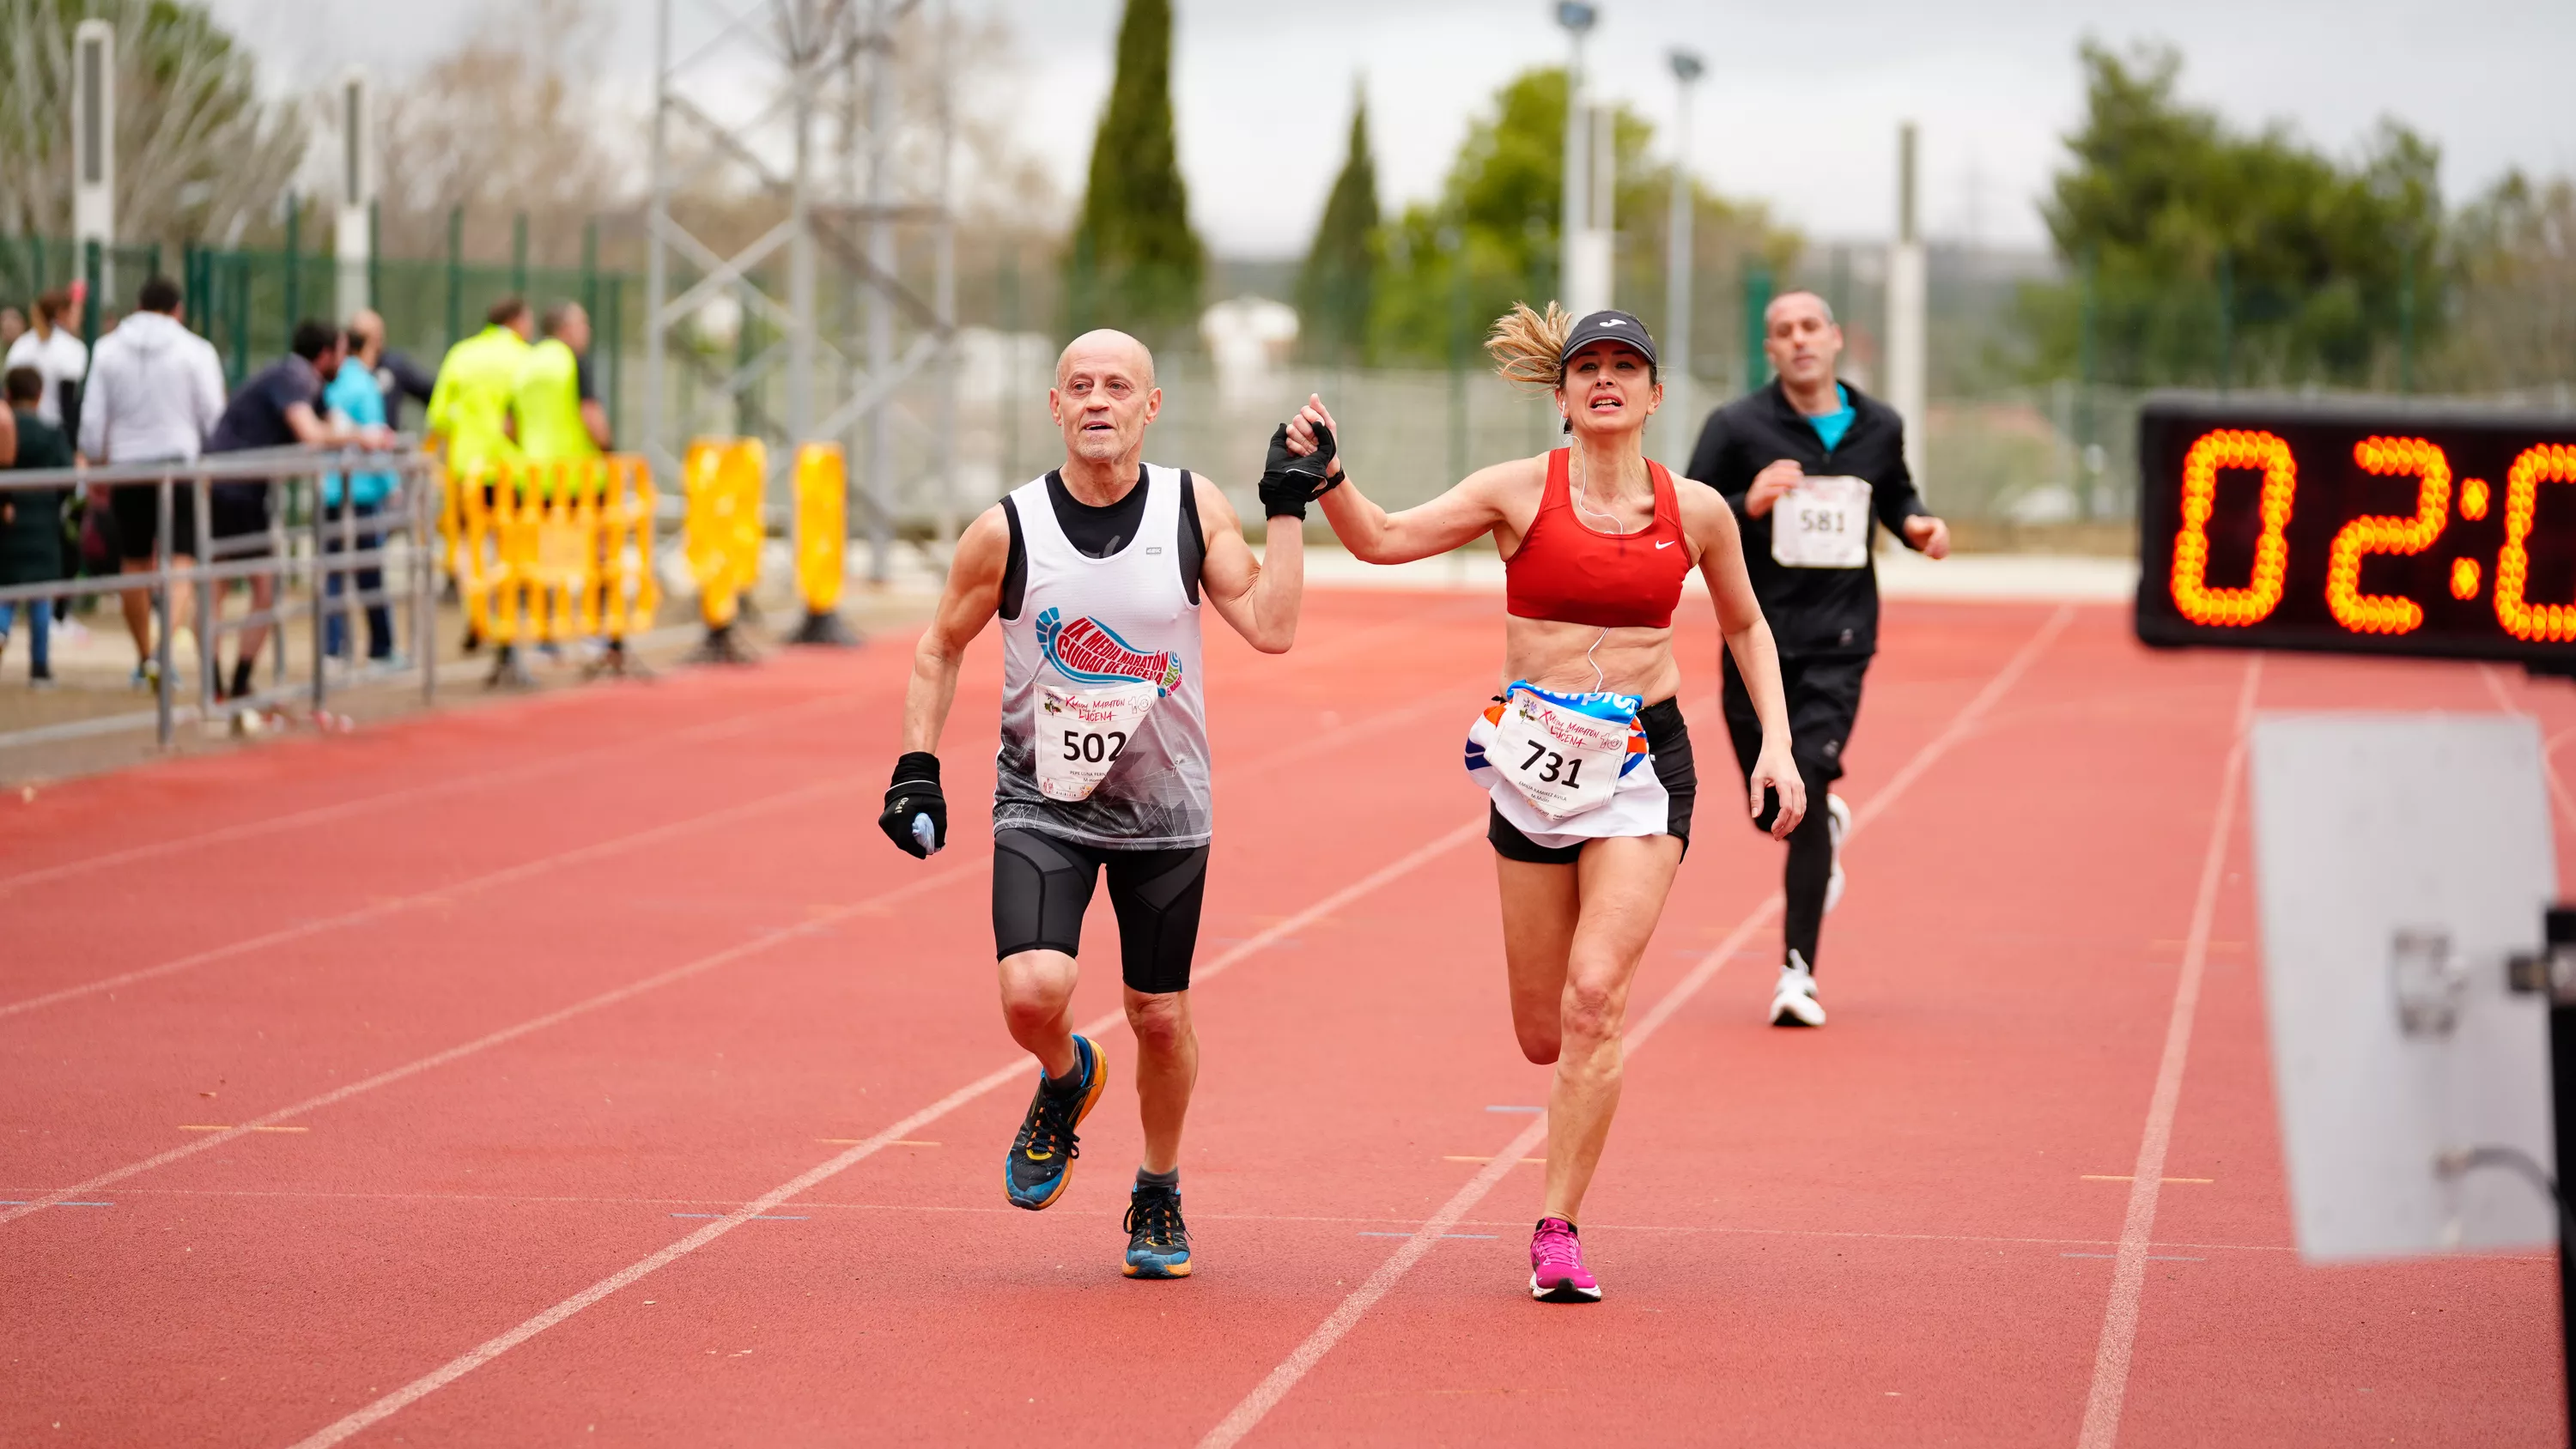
column 1249, row 341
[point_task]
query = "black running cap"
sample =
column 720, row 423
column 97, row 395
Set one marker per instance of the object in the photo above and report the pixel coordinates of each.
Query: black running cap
column 1617, row 327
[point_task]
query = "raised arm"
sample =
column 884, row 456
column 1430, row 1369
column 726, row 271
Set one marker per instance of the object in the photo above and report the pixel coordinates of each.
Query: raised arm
column 1460, row 516
column 1261, row 596
column 1710, row 525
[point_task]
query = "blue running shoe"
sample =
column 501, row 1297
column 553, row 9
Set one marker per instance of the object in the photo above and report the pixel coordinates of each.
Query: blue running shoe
column 1158, row 1242
column 1041, row 1159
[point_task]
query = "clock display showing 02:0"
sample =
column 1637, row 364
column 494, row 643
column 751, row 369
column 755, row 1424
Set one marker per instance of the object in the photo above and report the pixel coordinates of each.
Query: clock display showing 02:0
column 2407, row 530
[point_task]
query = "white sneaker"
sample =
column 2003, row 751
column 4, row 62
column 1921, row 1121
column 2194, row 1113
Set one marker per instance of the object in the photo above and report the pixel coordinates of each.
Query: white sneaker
column 1837, row 825
column 1793, row 1002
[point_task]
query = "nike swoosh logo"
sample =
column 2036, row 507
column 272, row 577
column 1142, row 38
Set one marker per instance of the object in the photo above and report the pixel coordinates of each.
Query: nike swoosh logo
column 1666, row 543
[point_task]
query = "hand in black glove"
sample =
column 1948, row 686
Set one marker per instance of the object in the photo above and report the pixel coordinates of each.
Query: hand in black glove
column 916, row 814
column 1288, row 482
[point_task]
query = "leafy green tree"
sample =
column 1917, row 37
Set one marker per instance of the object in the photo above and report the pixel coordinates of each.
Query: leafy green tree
column 2512, row 311
column 1338, row 286
column 2213, row 253
column 198, row 153
column 1454, row 263
column 1133, row 261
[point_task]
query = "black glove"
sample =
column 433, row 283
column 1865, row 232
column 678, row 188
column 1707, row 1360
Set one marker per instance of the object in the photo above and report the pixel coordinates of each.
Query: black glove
column 1288, row 482
column 914, row 806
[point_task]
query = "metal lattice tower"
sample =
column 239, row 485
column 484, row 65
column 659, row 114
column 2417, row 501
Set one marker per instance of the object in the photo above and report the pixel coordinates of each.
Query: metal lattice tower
column 740, row 107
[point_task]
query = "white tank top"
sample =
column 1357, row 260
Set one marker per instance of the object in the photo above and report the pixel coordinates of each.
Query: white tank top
column 1089, row 623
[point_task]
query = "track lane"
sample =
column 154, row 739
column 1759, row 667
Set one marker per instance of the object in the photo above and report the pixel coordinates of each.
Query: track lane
column 1293, row 718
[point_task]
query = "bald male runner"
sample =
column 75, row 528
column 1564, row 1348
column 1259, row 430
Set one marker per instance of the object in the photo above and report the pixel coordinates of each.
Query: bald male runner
column 1097, row 571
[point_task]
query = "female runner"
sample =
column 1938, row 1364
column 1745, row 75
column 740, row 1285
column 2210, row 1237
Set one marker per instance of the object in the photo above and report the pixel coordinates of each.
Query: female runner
column 1585, row 757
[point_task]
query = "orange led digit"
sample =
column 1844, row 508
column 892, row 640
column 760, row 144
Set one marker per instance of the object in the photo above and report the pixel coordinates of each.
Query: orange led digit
column 2539, row 623
column 2192, row 594
column 2373, row 533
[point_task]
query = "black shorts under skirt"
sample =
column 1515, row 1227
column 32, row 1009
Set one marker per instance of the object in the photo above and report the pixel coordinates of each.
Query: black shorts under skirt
column 1668, row 739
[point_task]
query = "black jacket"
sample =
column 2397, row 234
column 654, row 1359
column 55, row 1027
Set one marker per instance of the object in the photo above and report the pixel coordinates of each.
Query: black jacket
column 31, row 542
column 1811, row 611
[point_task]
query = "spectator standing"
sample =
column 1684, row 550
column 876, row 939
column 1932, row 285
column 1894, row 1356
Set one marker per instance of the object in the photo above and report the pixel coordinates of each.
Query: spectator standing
column 555, row 408
column 51, row 349
column 31, row 523
column 277, row 408
column 560, row 423
column 13, row 325
column 355, row 399
column 469, row 409
column 155, row 390
column 397, row 375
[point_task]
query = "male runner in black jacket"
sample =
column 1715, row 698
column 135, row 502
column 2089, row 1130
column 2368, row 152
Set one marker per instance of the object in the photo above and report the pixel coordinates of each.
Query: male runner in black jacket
column 1808, row 463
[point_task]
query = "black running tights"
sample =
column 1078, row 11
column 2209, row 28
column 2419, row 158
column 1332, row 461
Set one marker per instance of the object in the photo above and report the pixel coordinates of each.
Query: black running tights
column 1824, row 700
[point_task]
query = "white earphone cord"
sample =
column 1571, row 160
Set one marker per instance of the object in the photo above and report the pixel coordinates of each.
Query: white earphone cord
column 1581, row 499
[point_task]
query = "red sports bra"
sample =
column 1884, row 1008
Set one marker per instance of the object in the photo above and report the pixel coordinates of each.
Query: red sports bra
column 1567, row 570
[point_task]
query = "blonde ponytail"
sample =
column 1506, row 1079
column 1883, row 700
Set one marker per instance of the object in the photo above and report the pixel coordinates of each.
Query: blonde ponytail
column 1528, row 347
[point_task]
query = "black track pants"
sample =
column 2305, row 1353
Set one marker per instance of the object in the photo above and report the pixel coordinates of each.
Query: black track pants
column 1824, row 700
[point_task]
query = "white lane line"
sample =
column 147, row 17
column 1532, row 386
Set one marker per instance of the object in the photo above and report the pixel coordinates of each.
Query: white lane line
column 2548, row 767
column 758, row 943
column 251, row 829
column 762, row 942
column 1014, row 1071
column 1319, row 744
column 1266, row 1395
column 2129, row 1269
column 523, row 871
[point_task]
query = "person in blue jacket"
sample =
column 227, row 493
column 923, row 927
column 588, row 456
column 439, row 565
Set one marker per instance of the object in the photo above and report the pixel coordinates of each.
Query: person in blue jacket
column 355, row 397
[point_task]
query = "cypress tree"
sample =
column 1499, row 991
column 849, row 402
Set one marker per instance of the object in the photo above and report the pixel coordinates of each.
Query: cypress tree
column 1338, row 286
column 1134, row 263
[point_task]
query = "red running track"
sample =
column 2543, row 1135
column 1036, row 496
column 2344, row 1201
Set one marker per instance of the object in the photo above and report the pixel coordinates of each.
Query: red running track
column 588, row 1069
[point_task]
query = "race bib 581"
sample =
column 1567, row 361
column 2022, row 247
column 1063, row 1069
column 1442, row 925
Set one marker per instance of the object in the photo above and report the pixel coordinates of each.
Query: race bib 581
column 1822, row 523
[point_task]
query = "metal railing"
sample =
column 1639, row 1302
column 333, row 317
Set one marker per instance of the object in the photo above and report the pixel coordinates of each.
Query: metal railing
column 311, row 553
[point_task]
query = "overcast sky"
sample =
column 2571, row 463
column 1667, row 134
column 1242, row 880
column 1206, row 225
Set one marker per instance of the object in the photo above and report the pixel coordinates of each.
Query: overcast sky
column 1799, row 107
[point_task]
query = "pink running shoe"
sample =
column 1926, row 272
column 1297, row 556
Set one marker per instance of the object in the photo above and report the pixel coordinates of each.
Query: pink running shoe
column 1557, row 1274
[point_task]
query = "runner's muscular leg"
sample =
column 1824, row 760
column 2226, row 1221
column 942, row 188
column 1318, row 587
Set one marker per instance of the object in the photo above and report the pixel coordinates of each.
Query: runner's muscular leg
column 1540, row 905
column 1623, row 882
column 1037, row 1005
column 1167, row 1068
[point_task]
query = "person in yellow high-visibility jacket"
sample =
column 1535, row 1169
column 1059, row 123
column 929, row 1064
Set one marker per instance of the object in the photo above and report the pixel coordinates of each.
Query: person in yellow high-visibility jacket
column 469, row 407
column 560, row 424
column 556, row 410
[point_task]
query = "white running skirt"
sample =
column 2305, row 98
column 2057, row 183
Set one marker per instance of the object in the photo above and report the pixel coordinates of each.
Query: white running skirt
column 1639, row 806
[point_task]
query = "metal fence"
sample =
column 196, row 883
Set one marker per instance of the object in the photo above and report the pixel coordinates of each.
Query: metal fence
column 2016, row 434
column 322, row 564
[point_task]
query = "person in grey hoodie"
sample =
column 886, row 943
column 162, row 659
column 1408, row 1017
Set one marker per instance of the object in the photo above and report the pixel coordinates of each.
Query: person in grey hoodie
column 155, row 390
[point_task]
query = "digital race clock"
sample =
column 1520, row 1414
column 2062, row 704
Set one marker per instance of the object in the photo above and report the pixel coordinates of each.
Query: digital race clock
column 2396, row 529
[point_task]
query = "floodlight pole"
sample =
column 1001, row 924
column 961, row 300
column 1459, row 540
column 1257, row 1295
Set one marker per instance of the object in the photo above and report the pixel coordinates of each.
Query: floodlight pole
column 1572, row 266
column 94, row 143
column 353, row 238
column 880, row 306
column 1905, row 312
column 658, row 456
column 1679, row 260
